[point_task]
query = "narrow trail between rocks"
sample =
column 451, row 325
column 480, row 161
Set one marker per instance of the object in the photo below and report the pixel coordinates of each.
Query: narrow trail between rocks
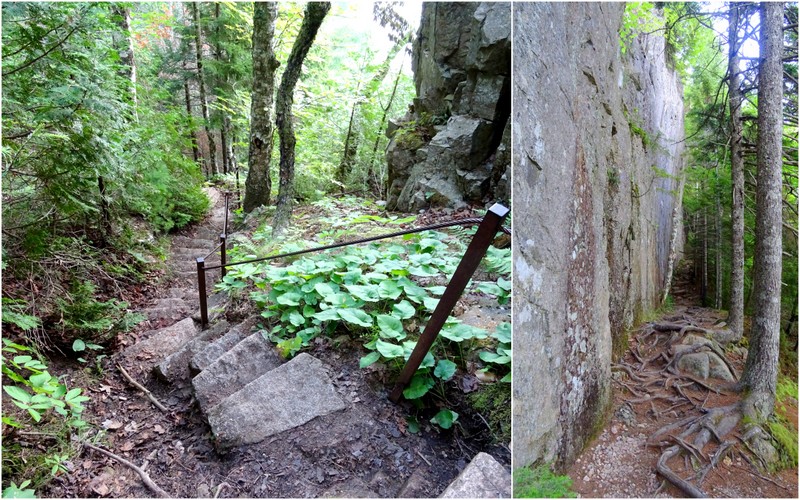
column 673, row 377
column 240, row 421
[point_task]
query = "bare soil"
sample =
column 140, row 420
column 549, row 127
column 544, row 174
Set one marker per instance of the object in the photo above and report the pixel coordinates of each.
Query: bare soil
column 621, row 462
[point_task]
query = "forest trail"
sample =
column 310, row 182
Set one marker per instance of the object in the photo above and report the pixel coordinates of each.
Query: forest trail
column 241, row 421
column 648, row 398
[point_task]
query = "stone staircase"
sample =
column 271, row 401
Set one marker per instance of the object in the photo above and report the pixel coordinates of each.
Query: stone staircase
column 245, row 390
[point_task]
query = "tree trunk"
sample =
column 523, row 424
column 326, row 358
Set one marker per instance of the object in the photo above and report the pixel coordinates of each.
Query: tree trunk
column 736, row 307
column 352, row 140
column 258, row 185
column 379, row 182
column 717, row 240
column 314, row 15
column 189, row 115
column 761, row 369
column 124, row 45
column 198, row 44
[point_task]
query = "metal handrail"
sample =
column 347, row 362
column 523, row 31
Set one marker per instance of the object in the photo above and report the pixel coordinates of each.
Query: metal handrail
column 488, row 227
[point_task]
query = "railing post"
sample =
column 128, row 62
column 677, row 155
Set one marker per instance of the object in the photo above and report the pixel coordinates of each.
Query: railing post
column 227, row 198
column 222, row 238
column 201, row 286
column 491, row 223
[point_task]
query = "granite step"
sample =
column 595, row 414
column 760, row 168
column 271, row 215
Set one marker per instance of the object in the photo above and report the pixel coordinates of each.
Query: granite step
column 281, row 399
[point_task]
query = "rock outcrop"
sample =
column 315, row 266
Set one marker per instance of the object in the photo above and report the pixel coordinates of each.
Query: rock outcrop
column 454, row 143
column 597, row 149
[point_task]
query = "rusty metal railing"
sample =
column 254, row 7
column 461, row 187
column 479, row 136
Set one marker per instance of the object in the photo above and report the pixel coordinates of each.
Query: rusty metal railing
column 488, row 227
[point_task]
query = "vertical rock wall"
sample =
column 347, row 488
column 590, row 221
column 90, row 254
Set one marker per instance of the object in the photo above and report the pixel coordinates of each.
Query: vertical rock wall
column 596, row 145
column 453, row 145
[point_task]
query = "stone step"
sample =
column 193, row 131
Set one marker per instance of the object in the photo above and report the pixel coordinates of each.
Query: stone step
column 175, row 367
column 160, row 344
column 185, row 293
column 206, row 355
column 282, row 399
column 191, row 253
column 245, row 362
column 214, row 350
column 484, row 477
column 191, row 242
column 216, row 302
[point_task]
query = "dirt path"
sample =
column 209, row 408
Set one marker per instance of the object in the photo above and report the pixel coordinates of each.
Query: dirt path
column 364, row 449
column 621, row 462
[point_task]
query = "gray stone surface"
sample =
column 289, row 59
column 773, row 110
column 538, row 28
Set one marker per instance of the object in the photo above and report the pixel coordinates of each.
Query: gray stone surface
column 484, row 477
column 161, row 343
column 461, row 63
column 175, row 367
column 695, row 364
column 247, row 361
column 208, row 353
column 592, row 216
column 216, row 302
column 284, row 398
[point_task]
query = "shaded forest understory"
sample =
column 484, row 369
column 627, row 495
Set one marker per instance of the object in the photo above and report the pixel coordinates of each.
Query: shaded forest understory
column 118, row 121
column 374, row 446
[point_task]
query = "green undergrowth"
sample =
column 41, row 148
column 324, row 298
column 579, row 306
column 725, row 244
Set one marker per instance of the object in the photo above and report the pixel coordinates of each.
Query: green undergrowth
column 40, row 408
column 541, row 482
column 493, row 402
column 381, row 294
column 780, row 427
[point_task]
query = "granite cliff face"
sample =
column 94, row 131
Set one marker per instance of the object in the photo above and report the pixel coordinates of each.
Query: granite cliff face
column 453, row 145
column 597, row 149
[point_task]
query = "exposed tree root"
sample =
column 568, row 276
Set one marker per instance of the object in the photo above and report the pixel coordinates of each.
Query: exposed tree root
column 142, row 474
column 655, row 379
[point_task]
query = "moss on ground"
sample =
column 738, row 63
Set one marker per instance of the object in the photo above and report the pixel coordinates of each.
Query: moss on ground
column 493, row 402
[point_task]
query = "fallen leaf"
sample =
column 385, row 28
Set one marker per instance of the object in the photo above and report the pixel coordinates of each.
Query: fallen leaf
column 159, row 429
column 101, row 489
column 468, row 383
column 132, row 426
column 111, row 424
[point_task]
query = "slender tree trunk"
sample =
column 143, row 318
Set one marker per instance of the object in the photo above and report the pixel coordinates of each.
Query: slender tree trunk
column 198, row 43
column 677, row 212
column 704, row 278
column 258, row 184
column 352, row 140
column 736, row 307
column 379, row 182
column 224, row 131
column 314, row 15
column 188, row 96
column 123, row 42
column 717, row 240
column 760, row 374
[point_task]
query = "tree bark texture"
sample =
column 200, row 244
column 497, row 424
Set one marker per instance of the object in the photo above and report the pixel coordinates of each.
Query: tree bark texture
column 211, row 163
column 258, row 184
column 189, row 115
column 736, row 308
column 314, row 15
column 761, row 368
column 124, row 45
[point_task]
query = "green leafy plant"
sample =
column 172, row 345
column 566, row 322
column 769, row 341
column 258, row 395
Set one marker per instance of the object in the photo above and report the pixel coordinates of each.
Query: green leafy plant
column 501, row 356
column 21, row 491
column 445, row 418
column 39, row 391
column 540, row 482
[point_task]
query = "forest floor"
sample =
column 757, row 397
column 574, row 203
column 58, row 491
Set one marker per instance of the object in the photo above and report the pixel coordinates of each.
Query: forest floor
column 367, row 450
column 621, row 462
